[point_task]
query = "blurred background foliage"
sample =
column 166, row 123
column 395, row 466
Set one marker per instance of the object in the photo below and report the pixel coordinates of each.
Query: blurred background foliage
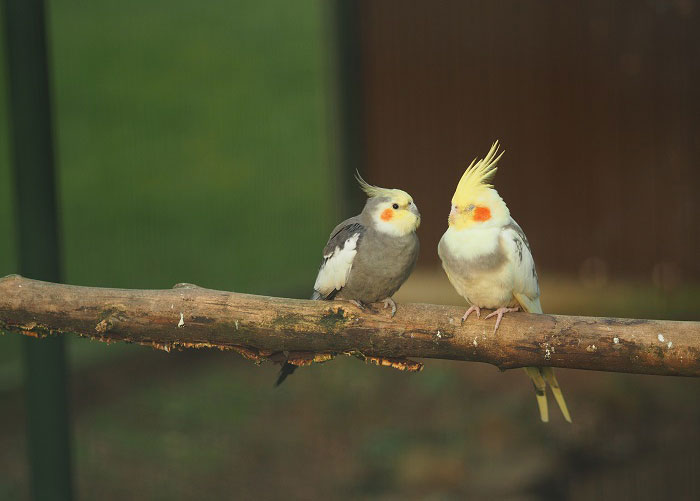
column 191, row 145
column 194, row 144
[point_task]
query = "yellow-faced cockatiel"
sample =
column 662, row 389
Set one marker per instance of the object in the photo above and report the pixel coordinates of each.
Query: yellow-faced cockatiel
column 369, row 256
column 487, row 258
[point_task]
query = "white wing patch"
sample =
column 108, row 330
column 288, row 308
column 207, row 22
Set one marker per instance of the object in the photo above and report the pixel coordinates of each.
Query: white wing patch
column 335, row 271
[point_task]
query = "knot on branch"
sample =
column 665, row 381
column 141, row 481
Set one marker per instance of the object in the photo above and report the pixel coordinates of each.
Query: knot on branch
column 185, row 285
column 109, row 319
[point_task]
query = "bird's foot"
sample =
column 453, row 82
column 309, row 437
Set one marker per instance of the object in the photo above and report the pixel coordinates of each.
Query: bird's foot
column 390, row 302
column 500, row 312
column 359, row 304
column 469, row 312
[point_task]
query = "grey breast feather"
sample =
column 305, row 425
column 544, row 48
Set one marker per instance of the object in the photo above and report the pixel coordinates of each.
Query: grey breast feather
column 381, row 266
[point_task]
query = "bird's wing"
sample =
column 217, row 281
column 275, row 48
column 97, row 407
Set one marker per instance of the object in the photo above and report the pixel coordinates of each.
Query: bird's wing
column 338, row 256
column 526, row 289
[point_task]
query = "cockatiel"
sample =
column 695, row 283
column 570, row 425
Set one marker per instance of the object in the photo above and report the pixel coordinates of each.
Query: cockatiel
column 488, row 260
column 369, row 256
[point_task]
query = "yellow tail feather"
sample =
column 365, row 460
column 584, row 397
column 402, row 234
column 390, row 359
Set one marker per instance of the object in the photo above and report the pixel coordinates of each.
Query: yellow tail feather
column 542, row 373
column 548, row 374
column 540, row 391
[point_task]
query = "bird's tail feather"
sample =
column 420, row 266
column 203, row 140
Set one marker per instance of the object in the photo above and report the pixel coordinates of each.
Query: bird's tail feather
column 286, row 370
column 540, row 391
column 543, row 375
column 548, row 374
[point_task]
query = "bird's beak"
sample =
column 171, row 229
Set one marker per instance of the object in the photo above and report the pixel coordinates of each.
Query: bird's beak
column 413, row 208
column 453, row 214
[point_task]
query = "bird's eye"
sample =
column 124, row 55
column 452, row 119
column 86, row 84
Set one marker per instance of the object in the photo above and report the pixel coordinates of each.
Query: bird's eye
column 395, row 206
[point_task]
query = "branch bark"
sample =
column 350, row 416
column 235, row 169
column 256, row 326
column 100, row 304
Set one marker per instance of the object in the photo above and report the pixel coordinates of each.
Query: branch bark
column 270, row 328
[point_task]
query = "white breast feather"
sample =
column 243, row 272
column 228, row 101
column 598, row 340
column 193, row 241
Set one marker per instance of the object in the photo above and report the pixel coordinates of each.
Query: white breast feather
column 334, row 273
column 489, row 289
column 472, row 243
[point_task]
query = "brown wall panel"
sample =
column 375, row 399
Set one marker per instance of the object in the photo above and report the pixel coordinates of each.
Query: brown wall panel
column 597, row 105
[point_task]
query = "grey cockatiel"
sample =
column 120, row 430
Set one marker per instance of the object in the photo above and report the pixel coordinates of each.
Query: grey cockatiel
column 488, row 260
column 369, row 256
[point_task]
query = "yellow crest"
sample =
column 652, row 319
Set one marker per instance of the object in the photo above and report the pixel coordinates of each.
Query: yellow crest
column 376, row 191
column 476, row 177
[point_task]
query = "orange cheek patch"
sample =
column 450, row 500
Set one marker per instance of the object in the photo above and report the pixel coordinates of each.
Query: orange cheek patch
column 482, row 214
column 387, row 214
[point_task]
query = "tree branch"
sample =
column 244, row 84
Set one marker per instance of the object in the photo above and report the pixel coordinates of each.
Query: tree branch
column 269, row 328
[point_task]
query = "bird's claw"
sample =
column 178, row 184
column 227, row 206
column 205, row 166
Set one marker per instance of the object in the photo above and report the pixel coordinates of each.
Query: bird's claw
column 471, row 309
column 390, row 302
column 500, row 312
column 358, row 304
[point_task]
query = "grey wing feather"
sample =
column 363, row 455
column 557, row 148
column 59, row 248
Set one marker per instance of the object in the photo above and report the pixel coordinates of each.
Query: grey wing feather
column 339, row 236
column 338, row 256
column 525, row 287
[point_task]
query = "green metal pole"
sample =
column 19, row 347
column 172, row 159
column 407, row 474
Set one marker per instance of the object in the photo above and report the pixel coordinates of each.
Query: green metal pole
column 38, row 241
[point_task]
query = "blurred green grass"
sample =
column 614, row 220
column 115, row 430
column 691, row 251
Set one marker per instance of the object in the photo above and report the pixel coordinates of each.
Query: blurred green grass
column 190, row 141
column 191, row 147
